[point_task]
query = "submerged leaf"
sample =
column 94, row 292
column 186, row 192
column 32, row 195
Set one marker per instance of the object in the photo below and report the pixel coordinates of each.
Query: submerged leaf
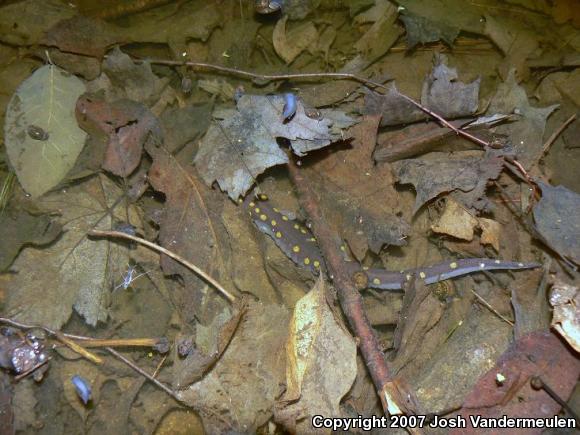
column 557, row 220
column 42, row 138
column 243, row 145
column 18, row 228
column 317, row 349
column 74, row 271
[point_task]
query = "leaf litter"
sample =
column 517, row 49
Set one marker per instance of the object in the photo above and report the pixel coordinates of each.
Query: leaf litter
column 462, row 199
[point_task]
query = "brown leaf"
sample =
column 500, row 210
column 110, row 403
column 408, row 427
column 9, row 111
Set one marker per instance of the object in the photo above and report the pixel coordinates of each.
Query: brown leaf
column 82, row 35
column 19, row 228
column 557, row 219
column 290, row 43
column 444, row 174
column 536, row 354
column 190, row 369
column 359, row 197
column 187, row 229
column 125, row 126
column 244, row 384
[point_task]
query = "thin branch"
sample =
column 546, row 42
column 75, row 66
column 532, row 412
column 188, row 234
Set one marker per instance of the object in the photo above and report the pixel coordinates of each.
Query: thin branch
column 490, row 308
column 143, row 373
column 162, row 250
column 337, row 76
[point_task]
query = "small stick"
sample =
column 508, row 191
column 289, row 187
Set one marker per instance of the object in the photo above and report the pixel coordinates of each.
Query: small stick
column 555, row 135
column 209, row 279
column 27, row 372
column 538, row 384
column 75, row 347
column 490, row 308
column 143, row 373
column 117, row 342
column 343, row 76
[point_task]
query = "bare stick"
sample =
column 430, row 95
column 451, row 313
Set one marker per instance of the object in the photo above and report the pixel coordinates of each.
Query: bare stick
column 490, row 308
column 557, row 133
column 144, row 373
column 167, row 252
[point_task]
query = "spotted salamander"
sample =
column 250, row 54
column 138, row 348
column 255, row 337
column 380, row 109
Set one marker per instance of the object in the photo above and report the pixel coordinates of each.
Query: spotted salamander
column 298, row 243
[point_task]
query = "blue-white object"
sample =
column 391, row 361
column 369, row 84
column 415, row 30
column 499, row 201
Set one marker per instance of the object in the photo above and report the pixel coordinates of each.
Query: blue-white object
column 83, row 388
column 289, row 106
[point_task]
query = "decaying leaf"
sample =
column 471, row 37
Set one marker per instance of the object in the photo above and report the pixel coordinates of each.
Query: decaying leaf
column 318, row 347
column 558, row 221
column 505, row 390
column 490, row 232
column 382, row 35
column 421, row 30
column 20, row 228
column 456, row 222
column 445, row 173
column 289, row 44
column 74, row 271
column 210, row 343
column 123, row 78
column 442, row 93
column 448, row 96
column 242, row 145
column 565, row 299
column 358, row 196
column 527, row 134
column 188, row 228
column 124, row 126
column 24, row 23
column 245, row 382
column 42, row 138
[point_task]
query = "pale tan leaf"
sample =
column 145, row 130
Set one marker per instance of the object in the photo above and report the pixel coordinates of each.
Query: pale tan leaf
column 42, row 137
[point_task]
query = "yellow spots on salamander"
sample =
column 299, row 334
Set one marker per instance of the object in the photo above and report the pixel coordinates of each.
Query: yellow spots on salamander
column 316, row 264
column 296, row 248
column 284, row 218
column 296, row 226
column 252, row 204
column 453, row 265
column 263, row 197
column 307, row 261
column 276, row 210
column 273, row 223
column 257, row 210
column 376, row 281
column 278, row 235
column 312, row 239
column 263, row 217
column 422, row 275
column 303, row 231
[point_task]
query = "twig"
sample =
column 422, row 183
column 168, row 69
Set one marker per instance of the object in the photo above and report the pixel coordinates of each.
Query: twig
column 160, row 249
column 112, row 351
column 339, row 76
column 393, row 399
column 555, row 135
column 33, row 369
column 490, row 308
column 143, row 373
column 75, row 347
